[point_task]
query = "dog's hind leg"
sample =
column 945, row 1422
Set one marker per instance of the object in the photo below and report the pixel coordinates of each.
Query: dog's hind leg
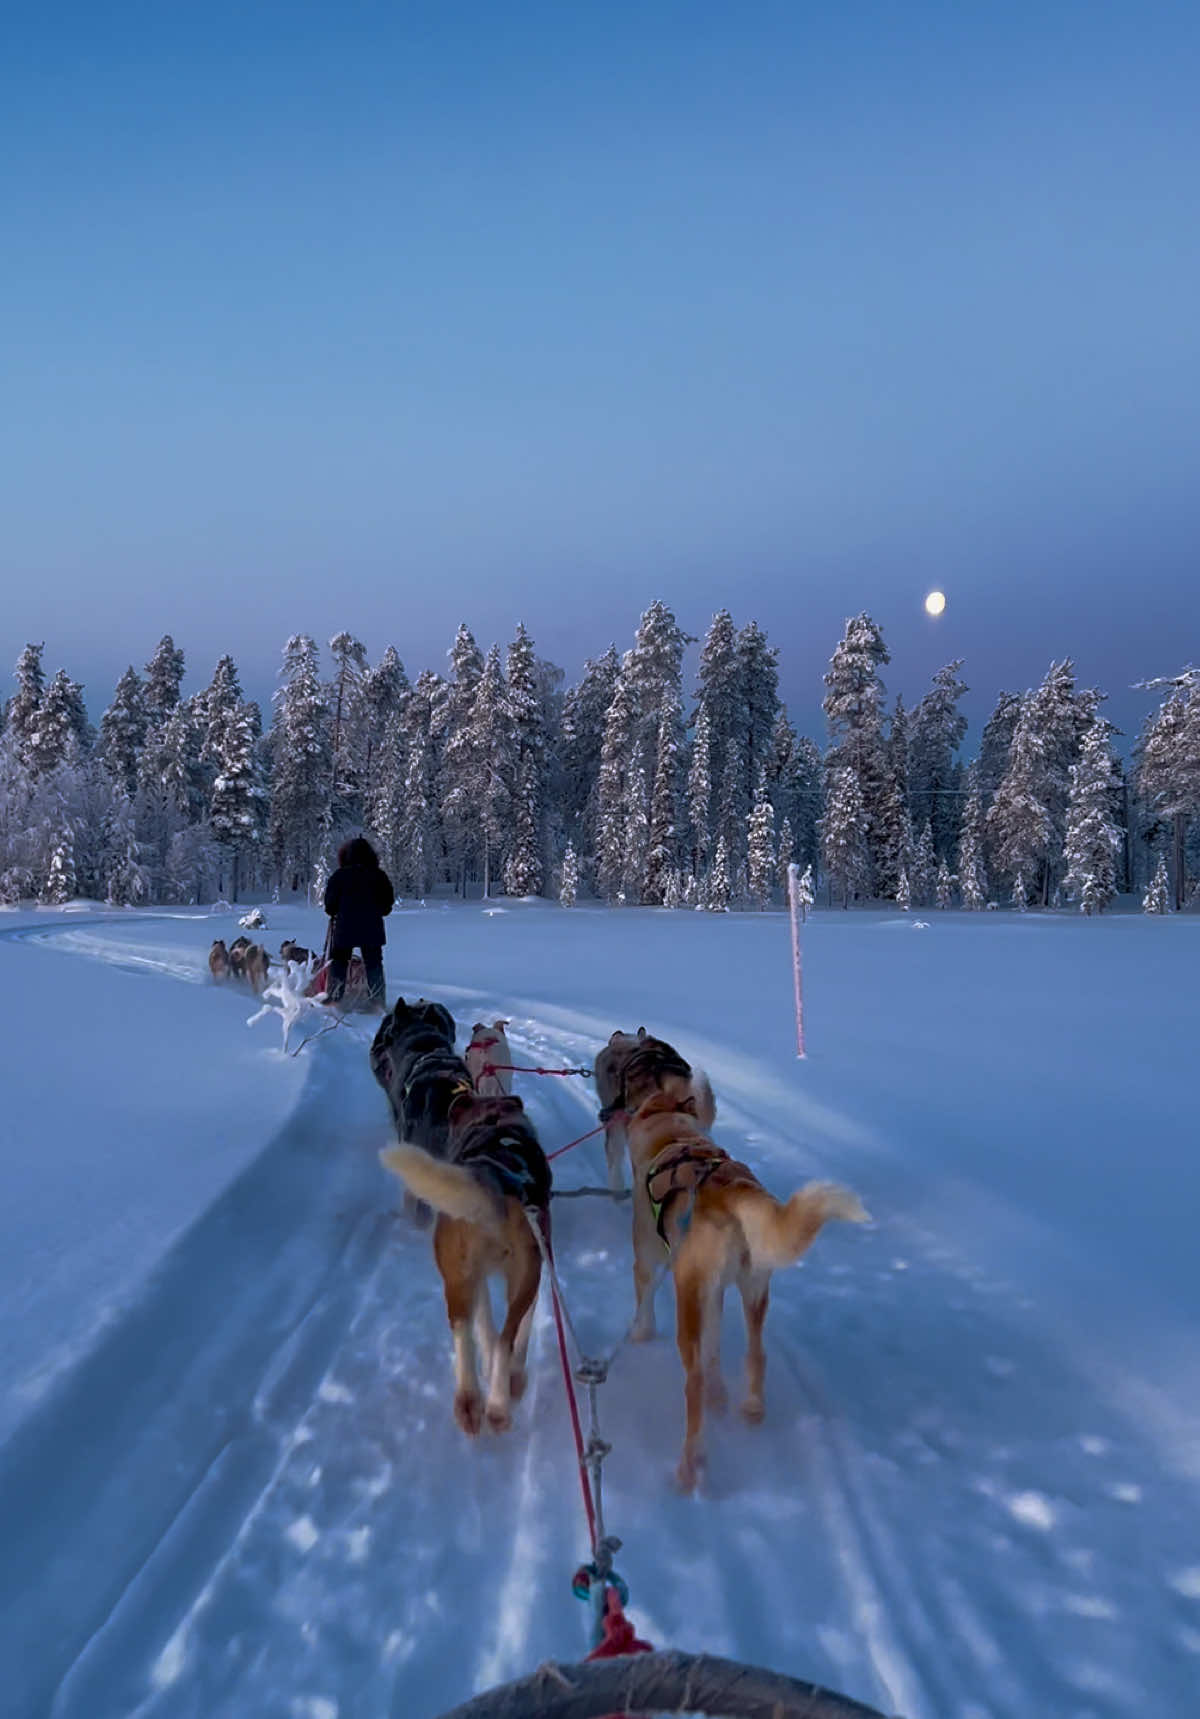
column 715, row 1394
column 755, row 1290
column 689, row 1329
column 461, row 1287
column 614, row 1153
column 523, row 1274
column 647, row 1254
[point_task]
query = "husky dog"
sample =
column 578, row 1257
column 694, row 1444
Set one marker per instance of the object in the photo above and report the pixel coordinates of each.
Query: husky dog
column 493, row 1174
column 719, row 1226
column 218, row 961
column 487, row 1057
column 237, row 956
column 257, row 967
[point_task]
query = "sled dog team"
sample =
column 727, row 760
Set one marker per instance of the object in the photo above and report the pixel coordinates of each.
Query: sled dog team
column 468, row 1151
column 250, row 961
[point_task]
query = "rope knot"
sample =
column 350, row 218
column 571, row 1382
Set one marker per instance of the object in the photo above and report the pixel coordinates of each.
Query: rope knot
column 619, row 1634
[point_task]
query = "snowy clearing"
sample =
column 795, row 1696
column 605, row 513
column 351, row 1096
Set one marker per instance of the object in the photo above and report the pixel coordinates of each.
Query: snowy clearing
column 229, row 1480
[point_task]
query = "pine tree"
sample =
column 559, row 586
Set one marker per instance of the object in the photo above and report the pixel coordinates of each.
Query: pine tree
column 972, row 873
column 301, row 764
column 478, row 772
column 164, row 679
column 672, row 889
column 525, row 866
column 662, row 860
column 761, row 845
column 844, row 837
column 935, row 735
column 1168, row 769
column 1018, row 823
column 347, row 726
column 717, row 887
column 923, row 876
column 569, row 885
column 1157, row 898
column 582, row 740
column 61, row 884
column 1092, row 838
column 945, row 885
column 610, row 789
column 758, row 705
column 853, row 706
column 893, row 840
column 637, row 830
column 236, row 808
column 125, row 880
column 384, row 690
column 806, row 891
column 123, row 732
column 903, row 892
column 418, row 843
column 21, row 711
column 700, row 793
column 785, row 854
column 60, row 730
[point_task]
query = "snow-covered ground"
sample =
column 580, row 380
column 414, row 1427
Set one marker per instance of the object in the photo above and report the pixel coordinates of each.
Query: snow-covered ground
column 229, row 1480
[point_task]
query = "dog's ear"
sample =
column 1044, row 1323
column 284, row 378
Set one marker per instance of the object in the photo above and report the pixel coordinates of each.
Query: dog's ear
column 641, row 1033
column 477, row 1028
column 499, row 1025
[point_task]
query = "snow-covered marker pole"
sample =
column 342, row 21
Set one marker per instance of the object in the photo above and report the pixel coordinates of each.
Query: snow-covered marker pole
column 793, row 876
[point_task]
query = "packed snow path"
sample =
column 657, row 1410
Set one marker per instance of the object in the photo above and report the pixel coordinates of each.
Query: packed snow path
column 247, row 1495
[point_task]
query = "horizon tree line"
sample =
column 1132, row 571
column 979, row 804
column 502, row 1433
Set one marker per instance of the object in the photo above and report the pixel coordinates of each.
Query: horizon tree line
column 491, row 777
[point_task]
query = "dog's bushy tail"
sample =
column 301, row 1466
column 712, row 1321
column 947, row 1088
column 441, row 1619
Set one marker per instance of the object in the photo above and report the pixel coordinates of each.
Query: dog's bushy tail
column 777, row 1234
column 703, row 1098
column 448, row 1188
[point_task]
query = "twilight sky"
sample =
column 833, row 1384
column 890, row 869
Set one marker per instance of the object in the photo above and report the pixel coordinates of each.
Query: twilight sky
column 384, row 316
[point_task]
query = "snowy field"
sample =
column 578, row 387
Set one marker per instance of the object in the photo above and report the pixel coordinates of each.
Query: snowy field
column 229, row 1479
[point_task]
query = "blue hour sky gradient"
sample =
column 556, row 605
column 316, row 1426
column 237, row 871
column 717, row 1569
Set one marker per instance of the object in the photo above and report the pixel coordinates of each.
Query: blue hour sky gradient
column 387, row 316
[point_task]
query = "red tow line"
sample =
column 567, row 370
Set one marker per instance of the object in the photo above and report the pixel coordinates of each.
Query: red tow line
column 516, row 1068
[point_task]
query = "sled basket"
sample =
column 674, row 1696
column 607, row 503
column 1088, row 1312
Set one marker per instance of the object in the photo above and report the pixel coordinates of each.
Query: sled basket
column 356, row 981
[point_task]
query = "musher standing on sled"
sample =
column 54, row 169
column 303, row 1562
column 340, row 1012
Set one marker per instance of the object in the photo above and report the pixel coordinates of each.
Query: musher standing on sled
column 357, row 898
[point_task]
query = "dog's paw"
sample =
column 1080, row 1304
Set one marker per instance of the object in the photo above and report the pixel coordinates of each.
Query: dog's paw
column 644, row 1330
column 715, row 1394
column 752, row 1411
column 499, row 1419
column 468, row 1412
column 689, row 1472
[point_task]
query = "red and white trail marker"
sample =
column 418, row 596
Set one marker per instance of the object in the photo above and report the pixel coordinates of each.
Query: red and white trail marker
column 797, row 977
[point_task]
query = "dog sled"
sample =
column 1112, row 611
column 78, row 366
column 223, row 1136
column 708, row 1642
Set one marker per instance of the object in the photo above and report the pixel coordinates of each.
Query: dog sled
column 660, row 1683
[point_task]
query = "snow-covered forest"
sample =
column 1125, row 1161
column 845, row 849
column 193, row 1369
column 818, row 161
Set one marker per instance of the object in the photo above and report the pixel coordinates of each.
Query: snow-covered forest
column 492, row 777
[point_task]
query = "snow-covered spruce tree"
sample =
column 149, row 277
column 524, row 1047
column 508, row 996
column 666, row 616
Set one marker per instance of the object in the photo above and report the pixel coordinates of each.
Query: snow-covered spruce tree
column 20, row 713
column 418, row 844
column 301, row 764
column 662, row 860
column 237, row 805
column 1157, row 898
column 853, row 707
column 893, row 843
column 972, row 872
column 654, row 672
column 672, row 890
column 637, row 830
column 123, row 732
column 1168, row 770
column 844, row 837
column 524, row 868
column 193, row 866
column 903, row 892
column 61, row 884
column 785, row 854
column 923, row 875
column 944, row 886
column 1056, row 716
column 347, row 724
column 718, row 715
column 164, row 679
column 717, row 888
column 699, row 788
column 125, row 881
column 615, row 751
column 1092, row 838
column 568, row 889
column 936, row 730
column 758, row 707
column 1018, row 824
column 384, row 690
column 60, row 732
column 478, row 772
column 453, row 715
column 806, row 891
column 385, row 810
column 582, row 739
column 760, row 846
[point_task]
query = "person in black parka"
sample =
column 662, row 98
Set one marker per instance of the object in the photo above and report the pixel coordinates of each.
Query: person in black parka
column 358, row 897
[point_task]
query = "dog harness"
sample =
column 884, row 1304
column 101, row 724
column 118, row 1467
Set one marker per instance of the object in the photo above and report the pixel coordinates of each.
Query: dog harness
column 505, row 1160
column 686, row 1168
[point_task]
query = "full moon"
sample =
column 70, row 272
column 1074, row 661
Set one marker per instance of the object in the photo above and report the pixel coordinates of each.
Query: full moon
column 935, row 602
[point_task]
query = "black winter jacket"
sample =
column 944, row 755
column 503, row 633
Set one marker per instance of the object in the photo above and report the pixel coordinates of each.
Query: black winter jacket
column 356, row 898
